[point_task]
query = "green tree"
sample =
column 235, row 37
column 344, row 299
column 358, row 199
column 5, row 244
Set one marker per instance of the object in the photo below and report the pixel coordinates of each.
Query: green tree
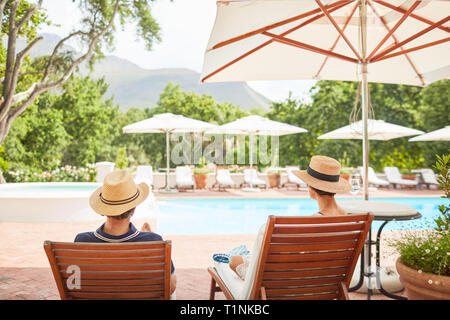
column 21, row 18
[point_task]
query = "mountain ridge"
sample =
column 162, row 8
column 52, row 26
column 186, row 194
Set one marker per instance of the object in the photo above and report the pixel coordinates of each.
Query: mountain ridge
column 134, row 86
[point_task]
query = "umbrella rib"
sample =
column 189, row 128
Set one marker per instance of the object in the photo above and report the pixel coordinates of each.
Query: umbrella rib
column 396, row 41
column 413, row 37
column 423, row 46
column 270, row 41
column 333, row 22
column 337, row 39
column 308, row 47
column 415, row 16
column 278, row 24
column 391, row 31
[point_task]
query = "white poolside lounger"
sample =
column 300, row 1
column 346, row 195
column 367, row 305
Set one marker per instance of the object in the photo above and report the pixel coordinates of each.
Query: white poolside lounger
column 251, row 178
column 144, row 174
column 428, row 177
column 394, row 177
column 183, row 178
column 293, row 179
column 223, row 179
column 373, row 179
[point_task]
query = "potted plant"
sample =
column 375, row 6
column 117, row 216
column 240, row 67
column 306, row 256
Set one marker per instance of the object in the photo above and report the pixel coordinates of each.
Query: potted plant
column 201, row 174
column 274, row 178
column 424, row 262
column 407, row 174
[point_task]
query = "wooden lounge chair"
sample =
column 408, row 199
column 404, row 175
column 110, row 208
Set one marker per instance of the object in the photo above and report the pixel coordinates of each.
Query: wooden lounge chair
column 306, row 258
column 138, row 270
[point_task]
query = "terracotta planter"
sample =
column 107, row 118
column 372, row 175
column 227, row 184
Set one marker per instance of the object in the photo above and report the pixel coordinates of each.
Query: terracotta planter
column 409, row 176
column 274, row 180
column 200, row 180
column 418, row 287
column 345, row 176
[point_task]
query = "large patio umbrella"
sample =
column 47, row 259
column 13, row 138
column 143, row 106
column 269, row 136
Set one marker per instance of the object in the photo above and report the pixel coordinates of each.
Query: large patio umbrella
column 255, row 125
column 167, row 123
column 398, row 41
column 436, row 135
column 377, row 130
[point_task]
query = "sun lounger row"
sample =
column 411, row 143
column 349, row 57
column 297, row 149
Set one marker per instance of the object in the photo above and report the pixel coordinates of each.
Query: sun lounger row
column 394, row 178
column 184, row 177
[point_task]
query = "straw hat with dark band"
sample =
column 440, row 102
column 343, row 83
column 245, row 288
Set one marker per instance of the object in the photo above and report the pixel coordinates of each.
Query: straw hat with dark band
column 118, row 194
column 323, row 173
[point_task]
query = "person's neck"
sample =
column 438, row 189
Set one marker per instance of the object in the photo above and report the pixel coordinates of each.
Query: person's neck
column 116, row 227
column 329, row 207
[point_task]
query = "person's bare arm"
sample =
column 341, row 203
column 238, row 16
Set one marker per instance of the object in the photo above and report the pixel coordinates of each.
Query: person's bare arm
column 173, row 283
column 235, row 261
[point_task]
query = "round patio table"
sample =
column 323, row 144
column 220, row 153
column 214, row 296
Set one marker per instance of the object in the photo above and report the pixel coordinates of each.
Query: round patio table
column 382, row 211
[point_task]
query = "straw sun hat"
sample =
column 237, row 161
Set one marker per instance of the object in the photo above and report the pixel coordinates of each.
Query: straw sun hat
column 323, row 173
column 118, row 194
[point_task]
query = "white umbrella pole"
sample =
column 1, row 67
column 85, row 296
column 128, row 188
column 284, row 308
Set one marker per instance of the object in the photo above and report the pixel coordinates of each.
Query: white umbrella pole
column 167, row 160
column 250, row 141
column 365, row 99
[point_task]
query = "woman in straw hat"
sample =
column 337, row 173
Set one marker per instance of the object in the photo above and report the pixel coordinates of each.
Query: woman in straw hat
column 323, row 179
column 117, row 199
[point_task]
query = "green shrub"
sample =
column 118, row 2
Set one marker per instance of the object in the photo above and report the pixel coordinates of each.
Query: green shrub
column 62, row 174
column 429, row 250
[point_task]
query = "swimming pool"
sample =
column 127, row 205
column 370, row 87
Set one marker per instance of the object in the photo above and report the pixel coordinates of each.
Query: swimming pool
column 245, row 216
column 54, row 202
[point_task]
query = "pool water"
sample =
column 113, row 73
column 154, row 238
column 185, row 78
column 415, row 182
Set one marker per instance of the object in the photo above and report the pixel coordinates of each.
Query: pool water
column 245, row 216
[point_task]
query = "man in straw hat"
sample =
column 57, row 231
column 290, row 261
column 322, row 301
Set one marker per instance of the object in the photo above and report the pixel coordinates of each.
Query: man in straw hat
column 117, row 199
column 323, row 179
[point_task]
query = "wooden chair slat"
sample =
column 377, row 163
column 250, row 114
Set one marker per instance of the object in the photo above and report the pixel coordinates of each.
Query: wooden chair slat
column 108, row 254
column 118, row 289
column 123, row 282
column 301, row 282
column 117, row 295
column 318, row 220
column 140, row 267
column 121, row 261
column 304, row 273
column 102, row 275
column 301, row 290
column 154, row 245
column 309, row 256
column 311, row 247
column 283, row 229
column 315, row 238
column 278, row 266
column 328, row 296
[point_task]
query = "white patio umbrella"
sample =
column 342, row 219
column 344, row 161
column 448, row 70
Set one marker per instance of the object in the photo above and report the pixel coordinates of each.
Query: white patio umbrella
column 442, row 134
column 167, row 123
column 397, row 41
column 255, row 125
column 377, row 130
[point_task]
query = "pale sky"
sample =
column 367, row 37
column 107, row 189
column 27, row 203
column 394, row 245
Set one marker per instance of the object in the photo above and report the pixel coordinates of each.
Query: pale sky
column 185, row 29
